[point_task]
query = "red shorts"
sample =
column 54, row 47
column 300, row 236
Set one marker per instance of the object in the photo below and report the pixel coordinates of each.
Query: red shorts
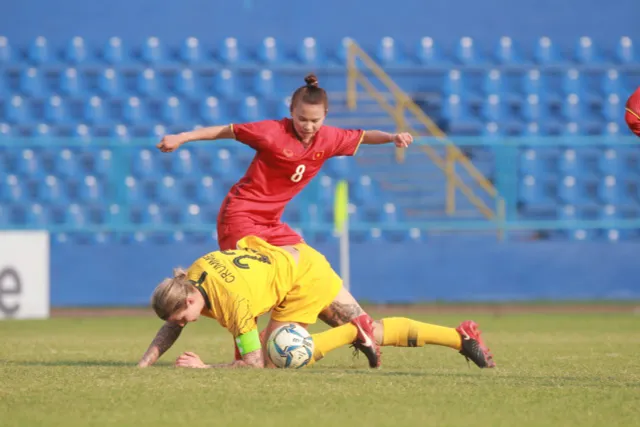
column 277, row 234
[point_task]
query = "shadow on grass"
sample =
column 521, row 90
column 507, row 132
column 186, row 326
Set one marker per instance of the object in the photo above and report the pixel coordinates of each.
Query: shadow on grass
column 80, row 363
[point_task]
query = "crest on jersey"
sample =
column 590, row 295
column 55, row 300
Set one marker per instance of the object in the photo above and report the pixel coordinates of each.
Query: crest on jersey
column 287, row 152
column 318, row 155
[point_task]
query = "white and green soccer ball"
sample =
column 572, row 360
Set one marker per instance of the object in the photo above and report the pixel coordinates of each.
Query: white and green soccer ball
column 290, row 346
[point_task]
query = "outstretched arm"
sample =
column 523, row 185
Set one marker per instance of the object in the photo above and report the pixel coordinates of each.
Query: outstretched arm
column 166, row 336
column 254, row 359
column 171, row 142
column 373, row 137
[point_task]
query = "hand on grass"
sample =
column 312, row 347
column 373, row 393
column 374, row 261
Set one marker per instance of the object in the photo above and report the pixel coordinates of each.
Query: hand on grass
column 189, row 360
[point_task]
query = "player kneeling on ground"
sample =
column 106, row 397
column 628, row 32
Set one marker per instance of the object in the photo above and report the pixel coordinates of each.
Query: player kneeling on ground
column 297, row 286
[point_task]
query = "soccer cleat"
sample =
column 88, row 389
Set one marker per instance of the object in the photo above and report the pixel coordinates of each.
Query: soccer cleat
column 366, row 342
column 473, row 348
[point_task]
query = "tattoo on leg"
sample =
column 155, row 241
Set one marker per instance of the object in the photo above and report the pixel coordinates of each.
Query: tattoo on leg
column 338, row 314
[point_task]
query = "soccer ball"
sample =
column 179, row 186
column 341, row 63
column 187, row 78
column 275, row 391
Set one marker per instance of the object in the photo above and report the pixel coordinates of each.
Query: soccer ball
column 290, row 346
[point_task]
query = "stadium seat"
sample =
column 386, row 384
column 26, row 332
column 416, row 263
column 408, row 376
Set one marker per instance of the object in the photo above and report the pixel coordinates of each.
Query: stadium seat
column 77, row 51
column 182, row 163
column 611, row 163
column 455, row 84
column 42, row 131
column 133, row 111
column 283, row 107
column 91, row 190
column 569, row 213
column 38, row 51
column 388, row 52
column 55, row 111
column 493, row 83
column 572, row 191
column 70, row 82
column 27, row 163
column 573, row 108
column 173, row 111
column 533, row 110
column 609, row 213
column 531, row 163
column 611, row 132
column 134, row 192
column 6, row 52
column 326, row 190
column 31, row 82
column 546, row 53
column 250, row 110
column 17, row 111
column 5, row 130
column 169, row 191
column 109, row 83
column 224, row 84
column 210, row 110
column 151, row 215
column 494, row 109
column 586, row 51
column 580, row 235
column 492, row 130
column 94, row 110
column 625, row 52
column 148, row 83
column 613, row 109
column 268, row 51
column 152, row 51
column 207, row 191
column 66, row 164
column 13, row 190
column 308, row 52
column 507, row 53
column 145, row 164
column 610, row 191
column 428, row 53
column 115, row 52
column 343, row 49
column 532, row 191
column 572, row 82
column 467, row 53
column 230, row 52
column 38, row 216
column 570, row 163
column 185, row 82
column 120, row 132
column 365, row 192
column 191, row 51
column 77, row 216
column 264, row 85
column 193, row 215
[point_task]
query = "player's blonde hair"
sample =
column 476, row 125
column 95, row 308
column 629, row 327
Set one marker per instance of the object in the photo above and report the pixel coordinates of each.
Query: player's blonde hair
column 170, row 296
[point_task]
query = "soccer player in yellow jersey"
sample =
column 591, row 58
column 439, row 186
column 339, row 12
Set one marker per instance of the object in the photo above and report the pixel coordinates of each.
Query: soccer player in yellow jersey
column 298, row 285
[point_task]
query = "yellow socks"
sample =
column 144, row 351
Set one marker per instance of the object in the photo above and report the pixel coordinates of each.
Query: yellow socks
column 403, row 332
column 329, row 340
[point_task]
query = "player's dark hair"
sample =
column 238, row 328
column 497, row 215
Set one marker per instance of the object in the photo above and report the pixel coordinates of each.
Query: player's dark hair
column 310, row 93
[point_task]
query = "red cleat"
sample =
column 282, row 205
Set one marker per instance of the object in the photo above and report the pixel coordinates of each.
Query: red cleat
column 473, row 348
column 366, row 341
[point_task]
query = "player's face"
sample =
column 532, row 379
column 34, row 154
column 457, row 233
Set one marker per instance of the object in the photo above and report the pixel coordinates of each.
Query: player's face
column 308, row 119
column 187, row 315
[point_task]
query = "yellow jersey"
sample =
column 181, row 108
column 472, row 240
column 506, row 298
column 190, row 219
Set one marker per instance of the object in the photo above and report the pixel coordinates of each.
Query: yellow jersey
column 242, row 284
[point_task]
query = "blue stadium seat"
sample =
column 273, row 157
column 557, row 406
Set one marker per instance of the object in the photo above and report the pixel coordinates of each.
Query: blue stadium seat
column 532, row 191
column 283, row 107
column 109, row 83
column 169, row 190
column 493, row 83
column 613, row 83
column 210, row 110
column 42, row 131
column 66, row 164
column 82, row 132
column 13, row 190
column 533, row 110
column 120, row 132
column 6, row 52
column 326, row 190
column 573, row 108
column 343, row 48
column 55, row 110
column 534, row 83
column 531, row 163
column 459, row 116
column 364, row 191
column 134, row 192
column 546, row 53
column 27, row 163
column 570, row 163
column 102, row 163
column 224, row 84
column 572, row 191
column 569, row 213
column 428, row 53
column 185, row 82
column 17, row 112
column 388, row 53
column 173, row 111
column 38, row 216
column 611, row 162
column 507, row 52
column 494, row 109
column 265, row 86
column 586, row 51
column 207, row 191
column 338, row 167
column 250, row 110
column 151, row 215
column 76, row 51
column 77, row 216
column 492, row 130
column 308, row 52
column 611, row 132
column 157, row 131
column 183, row 163
column 38, row 51
column 70, row 82
column 31, row 82
column 115, row 52
column 268, row 52
column 133, row 111
column 230, row 51
column 613, row 109
column 5, row 130
column 191, row 51
column 91, row 189
column 152, row 51
column 625, row 52
column 454, row 84
column 144, row 164
column 610, row 191
column 193, row 215
column 466, row 52
column 572, row 82
column 581, row 235
column 609, row 213
column 94, row 110
column 148, row 83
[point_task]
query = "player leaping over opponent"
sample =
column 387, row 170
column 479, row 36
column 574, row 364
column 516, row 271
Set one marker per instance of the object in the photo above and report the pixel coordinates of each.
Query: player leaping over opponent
column 289, row 153
column 235, row 287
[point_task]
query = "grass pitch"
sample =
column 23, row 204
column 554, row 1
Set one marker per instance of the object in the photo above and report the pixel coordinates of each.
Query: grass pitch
column 553, row 370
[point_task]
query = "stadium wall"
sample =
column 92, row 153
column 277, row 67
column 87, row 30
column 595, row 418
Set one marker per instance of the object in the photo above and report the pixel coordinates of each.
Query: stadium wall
column 444, row 269
column 290, row 21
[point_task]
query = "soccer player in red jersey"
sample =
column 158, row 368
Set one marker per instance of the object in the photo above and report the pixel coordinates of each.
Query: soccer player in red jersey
column 289, row 153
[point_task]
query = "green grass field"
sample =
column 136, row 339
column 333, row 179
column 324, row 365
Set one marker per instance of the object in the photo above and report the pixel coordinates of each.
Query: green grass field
column 553, row 370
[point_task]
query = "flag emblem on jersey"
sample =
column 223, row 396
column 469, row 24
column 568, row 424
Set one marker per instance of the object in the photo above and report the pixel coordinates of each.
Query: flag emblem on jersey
column 318, row 155
column 287, row 152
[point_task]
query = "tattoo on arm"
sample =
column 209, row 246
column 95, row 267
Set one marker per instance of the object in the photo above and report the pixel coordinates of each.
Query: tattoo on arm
column 166, row 336
column 338, row 314
column 249, row 360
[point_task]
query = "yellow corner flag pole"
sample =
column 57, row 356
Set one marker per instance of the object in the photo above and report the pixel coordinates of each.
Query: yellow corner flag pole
column 341, row 224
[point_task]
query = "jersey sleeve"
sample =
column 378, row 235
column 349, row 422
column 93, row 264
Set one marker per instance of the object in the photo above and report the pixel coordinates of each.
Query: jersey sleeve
column 256, row 135
column 347, row 141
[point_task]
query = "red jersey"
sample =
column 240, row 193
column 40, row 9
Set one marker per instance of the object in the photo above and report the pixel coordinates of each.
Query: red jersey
column 281, row 168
